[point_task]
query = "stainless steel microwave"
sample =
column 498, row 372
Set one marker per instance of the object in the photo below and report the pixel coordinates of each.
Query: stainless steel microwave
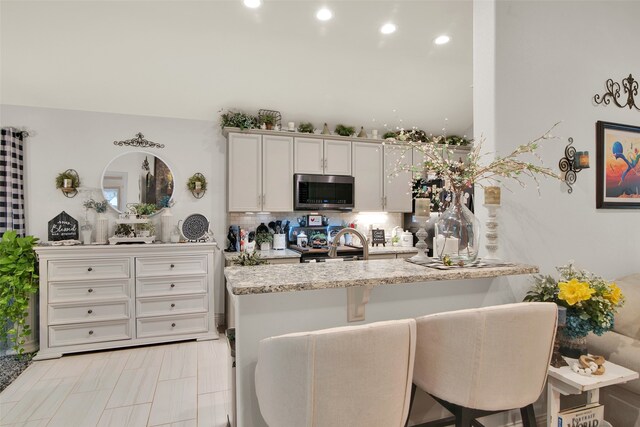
column 322, row 192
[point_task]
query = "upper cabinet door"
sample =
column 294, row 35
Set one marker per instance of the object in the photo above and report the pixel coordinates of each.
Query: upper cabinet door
column 277, row 173
column 337, row 157
column 397, row 189
column 245, row 172
column 368, row 173
column 309, row 156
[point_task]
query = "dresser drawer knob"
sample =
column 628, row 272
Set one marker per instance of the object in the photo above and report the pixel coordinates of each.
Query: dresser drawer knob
column 173, row 325
column 172, row 305
column 90, row 332
column 90, row 311
column 90, row 290
column 173, row 285
column 172, row 265
column 90, row 269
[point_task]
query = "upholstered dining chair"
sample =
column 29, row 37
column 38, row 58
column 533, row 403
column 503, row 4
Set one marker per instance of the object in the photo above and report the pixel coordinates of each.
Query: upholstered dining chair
column 482, row 361
column 349, row 376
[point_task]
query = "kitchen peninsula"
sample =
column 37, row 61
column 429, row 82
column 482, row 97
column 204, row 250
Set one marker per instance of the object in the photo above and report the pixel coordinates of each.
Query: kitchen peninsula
column 278, row 299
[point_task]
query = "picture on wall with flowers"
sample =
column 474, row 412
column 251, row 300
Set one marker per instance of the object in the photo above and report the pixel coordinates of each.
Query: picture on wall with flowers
column 618, row 165
column 591, row 303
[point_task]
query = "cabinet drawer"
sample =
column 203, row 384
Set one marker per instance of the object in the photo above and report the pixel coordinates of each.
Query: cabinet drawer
column 88, row 269
column 171, row 266
column 146, row 287
column 87, row 333
column 161, row 306
column 172, row 325
column 88, row 291
column 79, row 313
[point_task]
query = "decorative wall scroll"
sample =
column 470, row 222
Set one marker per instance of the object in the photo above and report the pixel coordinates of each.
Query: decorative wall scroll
column 630, row 87
column 138, row 141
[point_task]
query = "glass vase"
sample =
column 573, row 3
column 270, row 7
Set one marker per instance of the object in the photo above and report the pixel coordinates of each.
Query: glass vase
column 571, row 346
column 457, row 232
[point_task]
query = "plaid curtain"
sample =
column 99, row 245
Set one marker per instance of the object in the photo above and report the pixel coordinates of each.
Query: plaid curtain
column 12, row 181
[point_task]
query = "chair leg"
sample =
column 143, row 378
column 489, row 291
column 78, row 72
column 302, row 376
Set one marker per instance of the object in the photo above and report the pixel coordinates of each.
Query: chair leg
column 413, row 396
column 528, row 416
column 464, row 418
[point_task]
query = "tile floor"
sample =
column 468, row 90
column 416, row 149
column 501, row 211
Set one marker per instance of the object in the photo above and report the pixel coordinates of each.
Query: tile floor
column 178, row 385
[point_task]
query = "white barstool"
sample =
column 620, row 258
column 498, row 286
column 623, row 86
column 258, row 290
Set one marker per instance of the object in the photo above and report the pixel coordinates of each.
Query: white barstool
column 482, row 361
column 343, row 377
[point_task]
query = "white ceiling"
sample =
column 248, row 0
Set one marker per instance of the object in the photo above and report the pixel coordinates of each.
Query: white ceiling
column 189, row 59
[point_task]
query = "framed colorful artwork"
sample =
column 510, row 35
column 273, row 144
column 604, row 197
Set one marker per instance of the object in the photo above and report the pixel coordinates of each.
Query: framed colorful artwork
column 617, row 168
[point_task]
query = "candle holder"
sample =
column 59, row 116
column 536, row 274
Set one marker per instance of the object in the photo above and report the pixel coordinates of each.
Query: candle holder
column 197, row 184
column 492, row 203
column 422, row 209
column 572, row 163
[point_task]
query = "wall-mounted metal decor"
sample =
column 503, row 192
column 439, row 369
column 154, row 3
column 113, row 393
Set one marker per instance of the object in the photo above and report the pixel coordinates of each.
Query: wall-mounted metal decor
column 138, row 141
column 197, row 184
column 617, row 166
column 572, row 163
column 630, row 87
column 68, row 182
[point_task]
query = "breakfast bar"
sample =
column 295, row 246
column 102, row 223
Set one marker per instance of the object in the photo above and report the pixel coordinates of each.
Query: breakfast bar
column 272, row 300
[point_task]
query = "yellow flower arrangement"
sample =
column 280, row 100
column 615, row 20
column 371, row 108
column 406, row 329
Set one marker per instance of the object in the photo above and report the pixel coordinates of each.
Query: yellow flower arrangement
column 591, row 301
column 575, row 291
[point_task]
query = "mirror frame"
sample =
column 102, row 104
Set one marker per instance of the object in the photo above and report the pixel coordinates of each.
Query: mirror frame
column 106, row 168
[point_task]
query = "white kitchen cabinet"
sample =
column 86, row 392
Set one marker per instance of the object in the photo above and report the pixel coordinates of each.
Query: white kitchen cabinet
column 113, row 296
column 337, row 157
column 245, row 172
column 260, row 173
column 277, row 173
column 318, row 157
column 397, row 189
column 368, row 172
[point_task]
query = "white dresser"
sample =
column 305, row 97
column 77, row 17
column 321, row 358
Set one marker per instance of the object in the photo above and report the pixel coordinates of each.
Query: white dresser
column 99, row 297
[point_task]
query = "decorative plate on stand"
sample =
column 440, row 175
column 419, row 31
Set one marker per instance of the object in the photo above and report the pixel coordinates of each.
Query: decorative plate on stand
column 195, row 227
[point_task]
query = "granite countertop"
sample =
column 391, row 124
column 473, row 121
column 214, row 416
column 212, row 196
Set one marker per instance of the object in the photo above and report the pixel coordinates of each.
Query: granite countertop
column 301, row 277
column 391, row 250
column 270, row 254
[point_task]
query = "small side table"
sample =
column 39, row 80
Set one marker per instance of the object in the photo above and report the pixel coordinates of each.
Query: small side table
column 563, row 381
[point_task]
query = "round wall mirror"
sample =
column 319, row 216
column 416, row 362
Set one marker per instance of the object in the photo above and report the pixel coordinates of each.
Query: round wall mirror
column 137, row 177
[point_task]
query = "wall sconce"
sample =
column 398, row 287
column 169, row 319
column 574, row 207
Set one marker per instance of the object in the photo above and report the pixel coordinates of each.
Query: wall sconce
column 197, row 184
column 68, row 182
column 572, row 163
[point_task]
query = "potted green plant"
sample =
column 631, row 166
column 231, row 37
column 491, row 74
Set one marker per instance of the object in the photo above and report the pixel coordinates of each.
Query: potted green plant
column 264, row 239
column 343, row 130
column 18, row 282
column 238, row 119
column 269, row 120
column 100, row 207
column 143, row 209
column 146, row 229
column 67, row 181
column 306, row 127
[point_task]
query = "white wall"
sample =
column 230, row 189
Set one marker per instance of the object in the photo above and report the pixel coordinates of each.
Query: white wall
column 63, row 139
column 551, row 59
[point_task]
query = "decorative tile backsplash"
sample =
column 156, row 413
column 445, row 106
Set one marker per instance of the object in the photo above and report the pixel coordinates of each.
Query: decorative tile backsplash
column 364, row 221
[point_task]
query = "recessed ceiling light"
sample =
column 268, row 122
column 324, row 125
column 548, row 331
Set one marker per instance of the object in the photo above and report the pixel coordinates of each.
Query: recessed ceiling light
column 324, row 14
column 442, row 39
column 253, row 3
column 388, row 28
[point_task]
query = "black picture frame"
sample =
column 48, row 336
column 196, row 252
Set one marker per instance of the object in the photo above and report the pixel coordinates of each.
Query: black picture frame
column 617, row 166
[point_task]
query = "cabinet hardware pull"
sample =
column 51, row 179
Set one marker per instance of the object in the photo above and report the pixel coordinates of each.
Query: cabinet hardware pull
column 173, row 285
column 89, row 269
column 90, row 290
column 173, row 325
column 172, row 266
column 90, row 332
column 172, row 305
column 90, row 311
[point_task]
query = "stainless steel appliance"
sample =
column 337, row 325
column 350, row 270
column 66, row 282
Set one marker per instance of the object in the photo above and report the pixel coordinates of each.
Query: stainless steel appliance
column 323, row 192
column 317, row 249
